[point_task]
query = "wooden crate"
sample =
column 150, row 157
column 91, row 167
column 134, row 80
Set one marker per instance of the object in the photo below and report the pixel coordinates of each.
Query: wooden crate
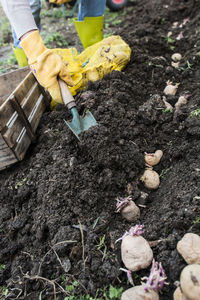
column 22, row 103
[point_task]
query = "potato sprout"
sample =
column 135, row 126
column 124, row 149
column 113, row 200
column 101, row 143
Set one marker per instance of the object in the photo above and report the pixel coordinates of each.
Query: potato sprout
column 150, row 179
column 171, row 89
column 189, row 248
column 135, row 250
column 190, row 281
column 138, row 293
column 129, row 210
column 153, row 159
column 156, row 279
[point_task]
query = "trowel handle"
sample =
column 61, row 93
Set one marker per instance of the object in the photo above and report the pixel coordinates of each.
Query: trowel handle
column 67, row 97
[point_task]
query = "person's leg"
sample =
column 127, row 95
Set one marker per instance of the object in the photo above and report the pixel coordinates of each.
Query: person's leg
column 89, row 24
column 18, row 51
column 91, row 8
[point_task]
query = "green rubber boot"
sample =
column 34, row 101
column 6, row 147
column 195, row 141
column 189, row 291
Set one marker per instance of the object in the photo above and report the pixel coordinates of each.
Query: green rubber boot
column 20, row 57
column 90, row 31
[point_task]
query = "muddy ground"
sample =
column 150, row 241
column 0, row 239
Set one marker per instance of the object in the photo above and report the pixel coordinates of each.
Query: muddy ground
column 58, row 217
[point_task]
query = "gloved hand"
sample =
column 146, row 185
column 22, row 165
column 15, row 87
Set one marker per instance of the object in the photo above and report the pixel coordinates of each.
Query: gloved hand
column 59, row 1
column 45, row 65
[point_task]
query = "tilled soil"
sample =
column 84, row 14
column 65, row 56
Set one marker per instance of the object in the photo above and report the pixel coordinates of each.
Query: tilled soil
column 58, row 217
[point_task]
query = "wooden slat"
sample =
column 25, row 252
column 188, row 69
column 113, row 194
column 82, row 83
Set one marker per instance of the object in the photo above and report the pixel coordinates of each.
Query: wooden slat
column 34, row 119
column 3, row 144
column 9, row 81
column 7, row 158
column 24, row 87
column 6, row 110
column 15, row 125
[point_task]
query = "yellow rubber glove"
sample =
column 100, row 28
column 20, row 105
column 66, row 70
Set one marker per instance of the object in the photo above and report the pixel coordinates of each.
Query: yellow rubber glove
column 59, row 1
column 46, row 65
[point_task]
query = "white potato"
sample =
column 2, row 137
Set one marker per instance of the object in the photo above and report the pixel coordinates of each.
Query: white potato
column 190, row 281
column 178, row 295
column 136, row 253
column 153, row 159
column 131, row 212
column 189, row 248
column 138, row 293
column 151, row 179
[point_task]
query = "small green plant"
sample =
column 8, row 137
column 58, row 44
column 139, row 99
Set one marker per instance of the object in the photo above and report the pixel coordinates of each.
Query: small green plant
column 169, row 40
column 163, row 21
column 3, row 291
column 2, row 267
column 106, row 293
column 165, row 171
column 115, row 293
column 195, row 113
column 154, row 65
column 196, row 221
column 189, row 65
column 170, row 144
column 166, row 110
column 102, row 246
column 20, row 183
column 55, row 38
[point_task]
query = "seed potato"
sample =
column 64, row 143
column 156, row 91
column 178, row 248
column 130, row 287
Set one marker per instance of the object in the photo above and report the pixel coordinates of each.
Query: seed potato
column 178, row 295
column 131, row 212
column 150, row 179
column 153, row 159
column 136, row 253
column 138, row 293
column 190, row 281
column 189, row 248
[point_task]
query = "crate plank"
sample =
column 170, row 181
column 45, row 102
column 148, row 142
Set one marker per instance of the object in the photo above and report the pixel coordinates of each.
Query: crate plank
column 6, row 110
column 15, row 125
column 20, row 114
column 9, row 81
column 24, row 141
column 3, row 144
column 7, row 158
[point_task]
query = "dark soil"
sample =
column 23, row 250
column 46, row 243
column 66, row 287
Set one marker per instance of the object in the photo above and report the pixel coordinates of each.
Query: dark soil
column 65, row 190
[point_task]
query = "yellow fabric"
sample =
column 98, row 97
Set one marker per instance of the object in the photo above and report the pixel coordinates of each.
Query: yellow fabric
column 94, row 62
column 59, row 1
column 46, row 65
